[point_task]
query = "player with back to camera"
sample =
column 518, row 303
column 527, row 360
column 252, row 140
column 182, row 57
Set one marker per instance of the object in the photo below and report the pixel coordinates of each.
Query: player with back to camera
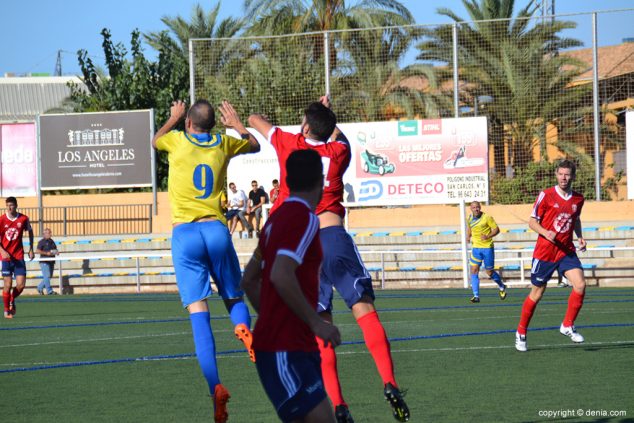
column 282, row 282
column 201, row 243
column 556, row 215
column 342, row 267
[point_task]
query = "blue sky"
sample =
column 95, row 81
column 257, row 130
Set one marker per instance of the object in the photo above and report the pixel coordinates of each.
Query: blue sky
column 33, row 30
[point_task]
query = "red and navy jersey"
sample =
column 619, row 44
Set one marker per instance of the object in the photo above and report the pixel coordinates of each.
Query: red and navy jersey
column 292, row 231
column 557, row 213
column 335, row 156
column 11, row 230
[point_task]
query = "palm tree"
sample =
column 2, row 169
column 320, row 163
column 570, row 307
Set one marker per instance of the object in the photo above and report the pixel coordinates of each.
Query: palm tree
column 514, row 61
column 371, row 85
column 201, row 25
column 295, row 16
column 367, row 80
column 210, row 58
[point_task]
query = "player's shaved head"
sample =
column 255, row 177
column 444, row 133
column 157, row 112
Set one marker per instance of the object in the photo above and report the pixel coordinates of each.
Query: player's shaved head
column 304, row 170
column 202, row 116
column 475, row 203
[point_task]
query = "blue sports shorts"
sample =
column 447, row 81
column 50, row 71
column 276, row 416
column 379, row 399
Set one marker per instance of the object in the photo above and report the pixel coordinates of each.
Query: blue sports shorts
column 542, row 271
column 201, row 250
column 342, row 269
column 231, row 214
column 486, row 255
column 292, row 380
column 14, row 268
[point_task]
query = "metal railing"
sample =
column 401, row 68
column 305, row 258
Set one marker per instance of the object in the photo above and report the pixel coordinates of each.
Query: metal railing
column 521, row 259
column 91, row 220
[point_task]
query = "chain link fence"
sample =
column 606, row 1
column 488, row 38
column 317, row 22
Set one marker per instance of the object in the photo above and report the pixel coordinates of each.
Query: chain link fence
column 546, row 90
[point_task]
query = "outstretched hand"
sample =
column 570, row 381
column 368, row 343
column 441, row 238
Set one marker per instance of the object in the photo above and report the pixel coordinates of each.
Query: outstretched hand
column 325, row 100
column 178, row 110
column 230, row 117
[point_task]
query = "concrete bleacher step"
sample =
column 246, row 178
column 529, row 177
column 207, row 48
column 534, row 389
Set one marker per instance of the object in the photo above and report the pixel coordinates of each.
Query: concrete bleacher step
column 434, row 269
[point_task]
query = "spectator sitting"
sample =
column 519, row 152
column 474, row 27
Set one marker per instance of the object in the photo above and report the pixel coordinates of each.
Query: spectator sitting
column 275, row 192
column 237, row 205
column 257, row 198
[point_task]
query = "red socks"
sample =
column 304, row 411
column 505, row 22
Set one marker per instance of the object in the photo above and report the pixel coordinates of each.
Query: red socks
column 527, row 313
column 15, row 293
column 6, row 299
column 329, row 373
column 378, row 345
column 575, row 301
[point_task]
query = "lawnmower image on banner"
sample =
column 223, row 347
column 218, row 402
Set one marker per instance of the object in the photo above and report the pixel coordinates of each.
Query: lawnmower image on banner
column 376, row 163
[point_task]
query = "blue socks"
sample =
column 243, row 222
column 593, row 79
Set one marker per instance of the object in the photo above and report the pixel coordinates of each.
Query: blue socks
column 475, row 284
column 205, row 348
column 497, row 279
column 239, row 313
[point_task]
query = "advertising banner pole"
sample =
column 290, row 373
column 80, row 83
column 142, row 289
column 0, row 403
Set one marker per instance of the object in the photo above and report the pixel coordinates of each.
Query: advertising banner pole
column 40, row 204
column 463, row 243
column 153, row 166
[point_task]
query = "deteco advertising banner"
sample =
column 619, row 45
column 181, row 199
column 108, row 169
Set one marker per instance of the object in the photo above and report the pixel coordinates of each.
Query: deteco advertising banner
column 437, row 161
column 95, row 150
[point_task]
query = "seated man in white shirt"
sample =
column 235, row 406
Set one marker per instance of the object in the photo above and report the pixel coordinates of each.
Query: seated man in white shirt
column 236, row 208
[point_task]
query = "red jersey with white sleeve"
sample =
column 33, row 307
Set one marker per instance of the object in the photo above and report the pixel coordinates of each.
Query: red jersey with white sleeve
column 292, row 231
column 558, row 213
column 335, row 156
column 11, row 230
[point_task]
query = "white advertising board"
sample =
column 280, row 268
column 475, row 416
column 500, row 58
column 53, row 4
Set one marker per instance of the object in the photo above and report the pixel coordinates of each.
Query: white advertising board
column 439, row 161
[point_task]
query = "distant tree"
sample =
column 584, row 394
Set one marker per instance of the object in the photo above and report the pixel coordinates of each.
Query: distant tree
column 513, row 60
column 370, row 84
column 132, row 83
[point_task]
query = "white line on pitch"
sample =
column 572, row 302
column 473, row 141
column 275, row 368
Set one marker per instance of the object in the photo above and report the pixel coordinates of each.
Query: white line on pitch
column 113, row 338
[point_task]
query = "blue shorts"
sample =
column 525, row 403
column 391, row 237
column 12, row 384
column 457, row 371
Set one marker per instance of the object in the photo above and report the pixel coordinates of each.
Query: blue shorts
column 342, row 269
column 292, row 380
column 478, row 255
column 201, row 250
column 231, row 214
column 14, row 268
column 542, row 271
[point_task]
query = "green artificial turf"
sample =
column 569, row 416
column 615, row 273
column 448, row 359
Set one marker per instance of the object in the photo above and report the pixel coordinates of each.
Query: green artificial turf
column 129, row 358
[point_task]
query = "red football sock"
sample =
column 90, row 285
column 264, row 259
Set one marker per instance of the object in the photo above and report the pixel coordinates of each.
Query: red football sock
column 6, row 299
column 527, row 313
column 15, row 293
column 575, row 301
column 378, row 345
column 329, row 373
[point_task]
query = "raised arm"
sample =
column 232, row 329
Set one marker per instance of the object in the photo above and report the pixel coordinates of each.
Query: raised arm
column 177, row 113
column 260, row 124
column 230, row 119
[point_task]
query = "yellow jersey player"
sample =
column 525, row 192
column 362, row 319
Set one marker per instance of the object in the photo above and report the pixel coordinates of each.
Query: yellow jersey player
column 481, row 228
column 201, row 244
